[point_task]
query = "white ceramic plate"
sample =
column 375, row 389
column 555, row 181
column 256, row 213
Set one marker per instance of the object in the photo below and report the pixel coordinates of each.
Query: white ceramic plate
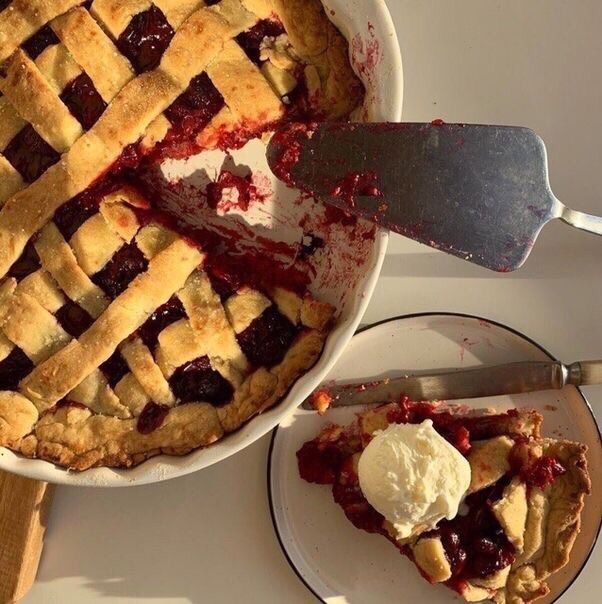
column 341, row 564
column 346, row 270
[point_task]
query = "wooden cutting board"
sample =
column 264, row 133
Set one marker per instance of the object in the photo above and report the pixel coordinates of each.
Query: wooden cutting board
column 24, row 508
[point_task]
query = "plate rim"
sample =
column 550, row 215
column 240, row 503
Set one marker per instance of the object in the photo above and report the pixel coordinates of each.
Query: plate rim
column 402, row 317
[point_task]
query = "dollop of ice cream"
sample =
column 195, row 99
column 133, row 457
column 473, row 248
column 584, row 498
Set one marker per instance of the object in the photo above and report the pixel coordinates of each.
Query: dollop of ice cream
column 413, row 476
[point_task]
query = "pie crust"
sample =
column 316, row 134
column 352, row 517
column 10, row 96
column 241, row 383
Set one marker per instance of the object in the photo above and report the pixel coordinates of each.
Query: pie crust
column 524, row 503
column 86, row 89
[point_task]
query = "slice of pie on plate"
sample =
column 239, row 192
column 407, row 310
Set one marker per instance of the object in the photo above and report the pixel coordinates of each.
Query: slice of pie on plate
column 121, row 336
column 520, row 513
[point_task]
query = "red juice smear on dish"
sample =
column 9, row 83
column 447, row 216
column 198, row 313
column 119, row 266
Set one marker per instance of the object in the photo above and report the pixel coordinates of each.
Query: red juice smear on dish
column 232, row 191
column 288, row 144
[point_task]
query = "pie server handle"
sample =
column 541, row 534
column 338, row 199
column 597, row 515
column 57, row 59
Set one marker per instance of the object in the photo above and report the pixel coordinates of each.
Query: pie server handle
column 511, row 378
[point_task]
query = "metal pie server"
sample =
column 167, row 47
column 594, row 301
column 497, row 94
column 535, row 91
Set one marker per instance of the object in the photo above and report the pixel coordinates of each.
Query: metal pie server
column 478, row 192
column 511, row 378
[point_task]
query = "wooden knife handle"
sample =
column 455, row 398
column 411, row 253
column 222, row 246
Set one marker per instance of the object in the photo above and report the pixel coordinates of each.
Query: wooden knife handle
column 24, row 508
column 585, row 373
column 591, row 373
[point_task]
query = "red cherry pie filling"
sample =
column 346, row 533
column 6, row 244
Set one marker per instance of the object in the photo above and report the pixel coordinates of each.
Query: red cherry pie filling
column 511, row 531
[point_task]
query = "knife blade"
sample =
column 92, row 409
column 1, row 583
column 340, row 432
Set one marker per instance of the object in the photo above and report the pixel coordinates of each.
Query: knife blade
column 510, row 378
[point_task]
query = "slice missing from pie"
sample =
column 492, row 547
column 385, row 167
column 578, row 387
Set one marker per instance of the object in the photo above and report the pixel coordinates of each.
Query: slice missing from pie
column 491, row 519
column 123, row 336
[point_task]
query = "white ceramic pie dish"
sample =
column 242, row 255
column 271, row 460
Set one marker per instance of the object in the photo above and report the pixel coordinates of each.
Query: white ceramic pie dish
column 376, row 57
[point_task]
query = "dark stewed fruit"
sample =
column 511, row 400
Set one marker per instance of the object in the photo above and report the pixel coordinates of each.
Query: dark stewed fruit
column 121, row 270
column 267, row 339
column 145, row 39
column 197, row 381
column 152, row 417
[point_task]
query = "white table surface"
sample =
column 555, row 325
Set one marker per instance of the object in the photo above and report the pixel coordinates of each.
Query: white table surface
column 208, row 537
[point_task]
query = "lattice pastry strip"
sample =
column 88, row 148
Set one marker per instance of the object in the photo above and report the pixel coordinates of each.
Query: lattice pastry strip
column 116, row 15
column 177, row 11
column 28, row 325
column 123, row 122
column 147, row 373
column 94, row 244
column 58, row 259
column 58, row 66
column 101, row 236
column 244, row 307
column 231, row 68
column 95, row 393
column 6, row 346
column 166, row 274
column 10, row 122
column 35, row 99
column 209, row 322
column 7, row 289
column 40, row 342
column 10, row 180
column 99, row 58
column 108, row 70
column 58, row 69
column 129, row 390
column 41, row 286
column 205, row 333
column 21, row 19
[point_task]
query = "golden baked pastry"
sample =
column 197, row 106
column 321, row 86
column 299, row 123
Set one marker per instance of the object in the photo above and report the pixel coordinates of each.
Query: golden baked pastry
column 119, row 339
column 520, row 516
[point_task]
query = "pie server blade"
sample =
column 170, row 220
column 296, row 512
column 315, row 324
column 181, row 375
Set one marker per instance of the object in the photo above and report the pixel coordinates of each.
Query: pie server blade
column 478, row 192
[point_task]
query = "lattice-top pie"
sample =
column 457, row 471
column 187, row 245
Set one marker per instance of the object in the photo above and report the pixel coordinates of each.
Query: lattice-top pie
column 121, row 337
column 519, row 518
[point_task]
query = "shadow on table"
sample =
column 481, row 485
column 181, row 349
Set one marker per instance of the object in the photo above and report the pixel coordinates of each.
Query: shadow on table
column 577, row 254
column 202, row 535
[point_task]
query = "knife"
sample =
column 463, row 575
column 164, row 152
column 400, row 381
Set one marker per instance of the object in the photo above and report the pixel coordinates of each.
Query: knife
column 511, row 378
column 478, row 192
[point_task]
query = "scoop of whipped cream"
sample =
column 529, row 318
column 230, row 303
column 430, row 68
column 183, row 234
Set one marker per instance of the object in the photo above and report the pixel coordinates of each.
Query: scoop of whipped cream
column 413, row 476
